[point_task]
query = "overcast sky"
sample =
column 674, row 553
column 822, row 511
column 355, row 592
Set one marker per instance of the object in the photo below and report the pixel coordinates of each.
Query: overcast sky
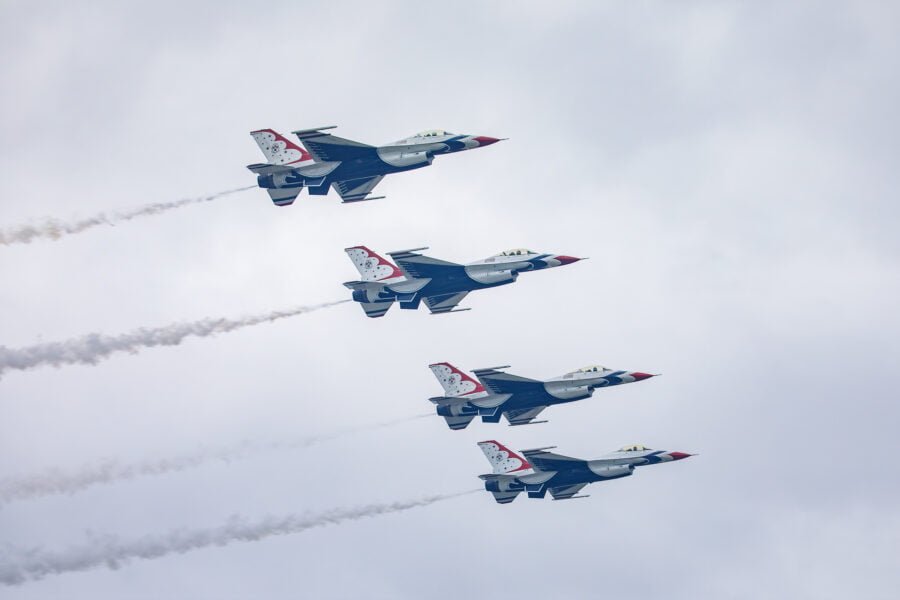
column 729, row 167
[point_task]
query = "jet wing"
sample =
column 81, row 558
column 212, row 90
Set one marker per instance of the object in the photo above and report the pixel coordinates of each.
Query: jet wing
column 445, row 303
column 501, row 382
column 567, row 492
column 542, row 460
column 325, row 147
column 356, row 190
column 419, row 266
column 523, row 416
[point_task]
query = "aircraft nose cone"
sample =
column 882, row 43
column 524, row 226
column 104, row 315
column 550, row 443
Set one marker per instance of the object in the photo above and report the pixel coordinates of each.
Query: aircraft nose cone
column 484, row 140
column 638, row 376
column 679, row 455
column 566, row 260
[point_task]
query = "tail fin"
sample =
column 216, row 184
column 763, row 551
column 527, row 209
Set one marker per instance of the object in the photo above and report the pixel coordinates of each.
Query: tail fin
column 455, row 382
column 371, row 266
column 278, row 149
column 504, row 460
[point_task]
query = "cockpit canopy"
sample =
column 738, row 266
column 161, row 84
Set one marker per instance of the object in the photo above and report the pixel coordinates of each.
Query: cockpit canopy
column 518, row 252
column 634, row 448
column 593, row 369
column 589, row 371
column 431, row 133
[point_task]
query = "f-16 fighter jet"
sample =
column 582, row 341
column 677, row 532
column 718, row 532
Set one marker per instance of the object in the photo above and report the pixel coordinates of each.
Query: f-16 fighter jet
column 441, row 284
column 518, row 399
column 353, row 168
column 538, row 471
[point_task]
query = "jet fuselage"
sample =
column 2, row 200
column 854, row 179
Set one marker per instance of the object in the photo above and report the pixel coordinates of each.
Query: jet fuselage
column 483, row 274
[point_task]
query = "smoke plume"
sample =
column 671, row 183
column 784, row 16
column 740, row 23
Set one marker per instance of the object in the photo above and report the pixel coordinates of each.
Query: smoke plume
column 19, row 566
column 57, row 481
column 53, row 229
column 92, row 348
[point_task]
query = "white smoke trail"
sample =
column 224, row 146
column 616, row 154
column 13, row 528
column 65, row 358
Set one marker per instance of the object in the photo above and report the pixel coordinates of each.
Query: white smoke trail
column 20, row 566
column 57, row 481
column 54, row 229
column 94, row 347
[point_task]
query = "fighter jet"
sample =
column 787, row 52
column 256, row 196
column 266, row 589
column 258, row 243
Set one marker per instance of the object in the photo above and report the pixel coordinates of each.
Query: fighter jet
column 441, row 284
column 353, row 168
column 519, row 399
column 538, row 471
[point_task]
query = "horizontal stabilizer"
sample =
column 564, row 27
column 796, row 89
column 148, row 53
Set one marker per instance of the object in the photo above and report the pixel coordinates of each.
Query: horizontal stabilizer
column 496, row 477
column 447, row 401
column 267, row 169
column 363, row 285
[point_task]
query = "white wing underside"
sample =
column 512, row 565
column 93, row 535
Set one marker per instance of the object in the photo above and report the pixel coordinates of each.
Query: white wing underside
column 564, row 493
column 445, row 303
column 523, row 417
column 354, row 190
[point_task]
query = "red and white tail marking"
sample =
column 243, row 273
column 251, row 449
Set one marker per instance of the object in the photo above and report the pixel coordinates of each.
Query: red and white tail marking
column 455, row 382
column 278, row 149
column 504, row 460
column 371, row 266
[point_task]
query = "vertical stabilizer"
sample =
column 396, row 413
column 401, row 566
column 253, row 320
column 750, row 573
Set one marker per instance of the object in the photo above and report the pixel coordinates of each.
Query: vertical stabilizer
column 455, row 382
column 279, row 150
column 503, row 460
column 371, row 266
